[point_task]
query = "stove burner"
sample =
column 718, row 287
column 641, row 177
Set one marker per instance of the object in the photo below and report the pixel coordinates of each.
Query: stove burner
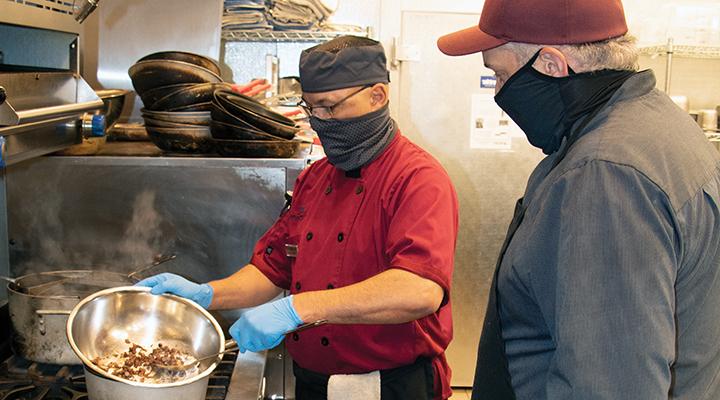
column 21, row 379
column 15, row 390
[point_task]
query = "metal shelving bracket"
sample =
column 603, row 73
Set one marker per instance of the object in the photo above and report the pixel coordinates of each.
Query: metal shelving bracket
column 233, row 35
column 671, row 50
column 682, row 51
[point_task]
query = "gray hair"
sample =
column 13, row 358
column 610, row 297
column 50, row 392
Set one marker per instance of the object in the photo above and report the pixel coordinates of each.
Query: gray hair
column 618, row 53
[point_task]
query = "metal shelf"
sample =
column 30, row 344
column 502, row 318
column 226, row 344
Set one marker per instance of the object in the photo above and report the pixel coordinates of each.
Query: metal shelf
column 683, row 51
column 233, row 35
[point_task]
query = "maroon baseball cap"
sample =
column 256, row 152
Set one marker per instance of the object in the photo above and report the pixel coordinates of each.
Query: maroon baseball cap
column 538, row 22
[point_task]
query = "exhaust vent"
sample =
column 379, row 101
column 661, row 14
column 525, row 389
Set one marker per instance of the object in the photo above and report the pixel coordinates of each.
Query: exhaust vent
column 56, row 6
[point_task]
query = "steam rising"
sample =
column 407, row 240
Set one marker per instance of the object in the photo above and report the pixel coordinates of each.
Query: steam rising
column 141, row 242
column 56, row 246
column 45, row 227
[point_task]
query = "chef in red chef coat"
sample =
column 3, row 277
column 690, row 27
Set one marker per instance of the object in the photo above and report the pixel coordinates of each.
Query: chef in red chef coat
column 365, row 247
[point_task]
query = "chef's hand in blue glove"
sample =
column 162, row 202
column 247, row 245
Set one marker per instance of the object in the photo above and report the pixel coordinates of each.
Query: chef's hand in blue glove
column 264, row 326
column 171, row 283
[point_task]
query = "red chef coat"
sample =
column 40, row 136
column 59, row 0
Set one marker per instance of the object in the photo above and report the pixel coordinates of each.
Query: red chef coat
column 400, row 212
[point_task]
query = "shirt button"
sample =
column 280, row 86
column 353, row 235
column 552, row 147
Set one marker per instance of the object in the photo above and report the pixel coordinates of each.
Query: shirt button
column 328, row 190
column 330, row 286
column 309, row 236
column 297, row 285
column 324, row 341
column 268, row 250
column 340, row 237
column 359, row 189
column 295, row 336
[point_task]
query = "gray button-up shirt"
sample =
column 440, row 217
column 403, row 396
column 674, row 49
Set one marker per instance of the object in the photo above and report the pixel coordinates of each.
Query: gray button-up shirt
column 610, row 288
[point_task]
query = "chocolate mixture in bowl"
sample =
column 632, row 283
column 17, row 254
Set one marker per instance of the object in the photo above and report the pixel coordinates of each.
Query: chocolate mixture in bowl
column 140, row 364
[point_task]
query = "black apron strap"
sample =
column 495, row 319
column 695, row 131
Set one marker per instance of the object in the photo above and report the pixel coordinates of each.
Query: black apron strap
column 309, row 385
column 414, row 381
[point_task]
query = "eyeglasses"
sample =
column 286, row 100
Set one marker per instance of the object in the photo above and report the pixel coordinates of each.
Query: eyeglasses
column 327, row 111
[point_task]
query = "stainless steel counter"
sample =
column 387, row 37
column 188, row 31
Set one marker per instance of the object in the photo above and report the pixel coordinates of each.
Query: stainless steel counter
column 247, row 377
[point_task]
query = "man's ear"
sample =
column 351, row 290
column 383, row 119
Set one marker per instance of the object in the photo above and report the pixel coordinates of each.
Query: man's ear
column 378, row 95
column 552, row 62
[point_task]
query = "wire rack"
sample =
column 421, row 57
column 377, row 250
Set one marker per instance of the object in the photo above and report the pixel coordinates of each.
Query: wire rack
column 683, row 51
column 233, row 35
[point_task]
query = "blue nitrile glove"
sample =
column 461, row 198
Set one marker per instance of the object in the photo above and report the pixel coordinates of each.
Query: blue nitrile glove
column 264, row 326
column 171, row 283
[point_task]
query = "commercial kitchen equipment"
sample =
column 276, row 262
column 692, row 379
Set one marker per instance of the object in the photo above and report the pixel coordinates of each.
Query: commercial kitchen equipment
column 113, row 213
column 45, row 104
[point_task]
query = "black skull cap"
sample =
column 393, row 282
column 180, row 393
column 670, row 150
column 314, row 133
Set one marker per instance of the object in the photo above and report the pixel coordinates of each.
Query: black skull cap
column 346, row 61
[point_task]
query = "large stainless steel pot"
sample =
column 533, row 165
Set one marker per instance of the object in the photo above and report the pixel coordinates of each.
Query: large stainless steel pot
column 39, row 306
column 101, row 323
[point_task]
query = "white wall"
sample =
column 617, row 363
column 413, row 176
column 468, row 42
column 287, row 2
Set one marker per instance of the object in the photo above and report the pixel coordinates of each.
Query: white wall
column 648, row 19
column 358, row 12
column 651, row 21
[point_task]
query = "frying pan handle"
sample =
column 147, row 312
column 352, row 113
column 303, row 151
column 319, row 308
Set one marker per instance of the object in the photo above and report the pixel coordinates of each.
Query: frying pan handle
column 231, row 345
column 307, row 326
column 153, row 265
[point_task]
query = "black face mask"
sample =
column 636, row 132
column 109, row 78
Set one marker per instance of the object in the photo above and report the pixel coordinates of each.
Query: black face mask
column 546, row 108
column 351, row 143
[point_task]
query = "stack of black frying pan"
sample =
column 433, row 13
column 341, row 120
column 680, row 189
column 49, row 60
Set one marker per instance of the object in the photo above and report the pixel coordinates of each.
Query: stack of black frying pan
column 189, row 109
column 242, row 126
column 177, row 90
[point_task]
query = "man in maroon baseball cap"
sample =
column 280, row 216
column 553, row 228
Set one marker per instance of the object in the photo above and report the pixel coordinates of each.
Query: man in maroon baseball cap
column 608, row 283
column 540, row 22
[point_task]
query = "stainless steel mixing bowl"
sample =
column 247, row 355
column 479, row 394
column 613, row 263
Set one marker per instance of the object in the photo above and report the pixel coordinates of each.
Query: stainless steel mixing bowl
column 102, row 322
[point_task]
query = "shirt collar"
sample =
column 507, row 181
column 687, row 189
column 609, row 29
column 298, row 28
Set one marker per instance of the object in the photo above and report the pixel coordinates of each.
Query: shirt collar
column 354, row 173
column 636, row 86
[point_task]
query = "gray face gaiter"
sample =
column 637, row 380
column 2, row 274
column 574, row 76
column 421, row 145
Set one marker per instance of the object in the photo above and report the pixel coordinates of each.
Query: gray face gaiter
column 351, row 143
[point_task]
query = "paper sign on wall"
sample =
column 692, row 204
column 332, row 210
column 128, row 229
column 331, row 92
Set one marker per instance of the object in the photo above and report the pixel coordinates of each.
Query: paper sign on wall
column 490, row 127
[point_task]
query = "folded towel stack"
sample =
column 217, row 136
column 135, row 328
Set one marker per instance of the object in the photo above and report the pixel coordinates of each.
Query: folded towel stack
column 298, row 14
column 245, row 15
column 282, row 15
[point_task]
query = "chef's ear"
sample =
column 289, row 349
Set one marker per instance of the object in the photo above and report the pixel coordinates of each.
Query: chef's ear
column 379, row 95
